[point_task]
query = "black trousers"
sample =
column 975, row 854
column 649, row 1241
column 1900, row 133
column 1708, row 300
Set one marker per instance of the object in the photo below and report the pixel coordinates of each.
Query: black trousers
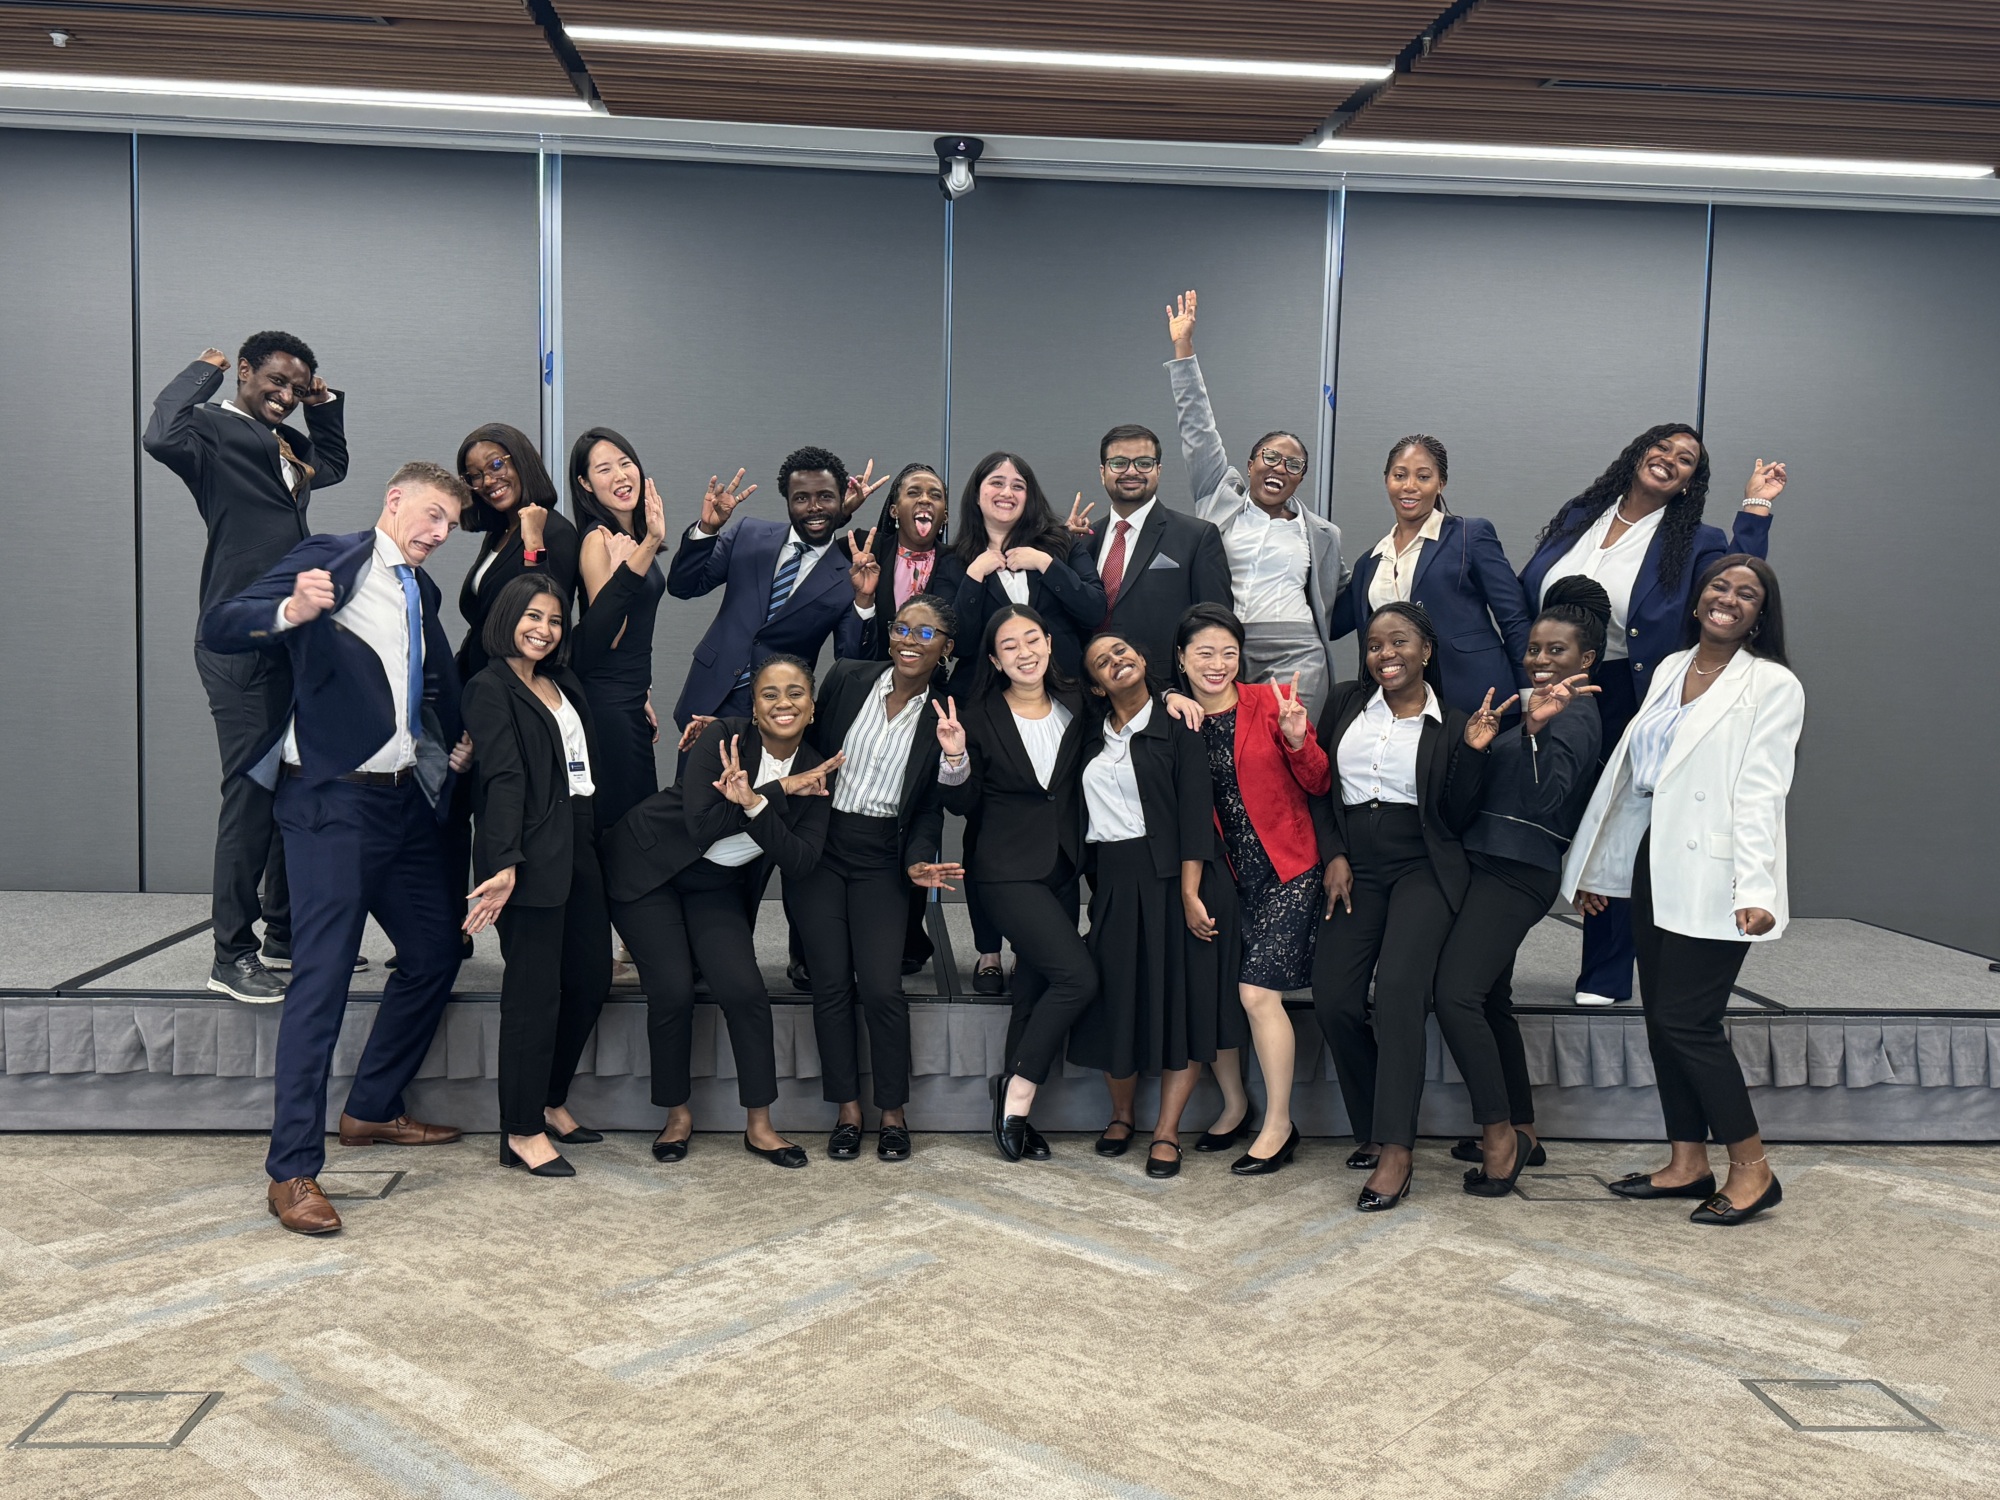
column 852, row 913
column 248, row 693
column 1475, row 1008
column 1395, row 932
column 558, row 973
column 1055, row 980
column 702, row 916
column 1684, row 985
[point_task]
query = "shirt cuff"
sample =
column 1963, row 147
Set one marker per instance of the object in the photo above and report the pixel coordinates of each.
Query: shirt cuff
column 751, row 812
column 950, row 775
column 699, row 535
column 283, row 623
column 866, row 614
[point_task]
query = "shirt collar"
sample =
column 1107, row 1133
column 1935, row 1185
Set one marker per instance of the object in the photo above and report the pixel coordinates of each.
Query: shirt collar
column 888, row 684
column 387, row 553
column 1432, row 709
column 1433, row 526
column 232, row 406
column 1646, row 525
column 1135, row 520
column 1133, row 725
column 812, row 551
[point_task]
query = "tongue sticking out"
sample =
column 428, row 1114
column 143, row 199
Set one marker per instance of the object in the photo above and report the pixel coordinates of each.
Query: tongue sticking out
column 921, row 525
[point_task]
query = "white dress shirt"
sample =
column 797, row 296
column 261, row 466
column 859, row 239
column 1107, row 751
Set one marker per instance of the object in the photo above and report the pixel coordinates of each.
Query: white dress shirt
column 1269, row 562
column 1042, row 738
column 485, row 563
column 575, row 747
column 740, row 848
column 375, row 612
column 1111, row 785
column 1136, row 520
column 1013, row 583
column 1377, row 759
column 870, row 782
column 1396, row 572
column 1616, row 567
column 291, row 474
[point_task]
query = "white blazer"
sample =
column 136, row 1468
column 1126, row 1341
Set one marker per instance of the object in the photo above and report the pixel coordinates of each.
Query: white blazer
column 1718, row 814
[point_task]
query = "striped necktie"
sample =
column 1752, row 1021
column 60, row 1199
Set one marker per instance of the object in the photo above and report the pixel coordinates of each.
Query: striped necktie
column 782, row 584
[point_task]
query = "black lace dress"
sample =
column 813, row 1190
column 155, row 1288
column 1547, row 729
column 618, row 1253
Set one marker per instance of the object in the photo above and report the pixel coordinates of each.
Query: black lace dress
column 1280, row 919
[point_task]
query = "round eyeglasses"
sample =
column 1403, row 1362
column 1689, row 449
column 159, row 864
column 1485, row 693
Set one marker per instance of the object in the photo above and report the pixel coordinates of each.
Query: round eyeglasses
column 1121, row 463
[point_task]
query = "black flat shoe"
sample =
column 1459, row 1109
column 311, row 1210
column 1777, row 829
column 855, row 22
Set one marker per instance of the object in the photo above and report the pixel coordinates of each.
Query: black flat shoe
column 1116, row 1145
column 786, row 1155
column 988, row 980
column 1372, row 1202
column 583, row 1135
column 1361, row 1159
column 1468, row 1150
column 557, row 1167
column 845, row 1143
column 1222, row 1140
column 893, row 1144
column 671, row 1150
column 1011, row 1136
column 1162, row 1166
column 1723, row 1214
column 1248, row 1165
column 997, row 1087
column 1038, row 1149
column 1485, row 1185
column 1640, row 1185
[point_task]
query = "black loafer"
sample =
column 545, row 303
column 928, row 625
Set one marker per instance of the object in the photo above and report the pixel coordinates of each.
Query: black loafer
column 1360, row 1159
column 1248, row 1165
column 1640, row 1185
column 893, row 1144
column 845, row 1143
column 1372, row 1202
column 1038, row 1149
column 1163, row 1166
column 1116, row 1145
column 1723, row 1214
column 1485, row 1185
column 671, row 1150
column 1011, row 1136
column 1222, row 1140
column 581, row 1136
column 1468, row 1150
column 988, row 980
column 786, row 1155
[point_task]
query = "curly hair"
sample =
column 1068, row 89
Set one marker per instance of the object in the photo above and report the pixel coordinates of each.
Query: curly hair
column 1677, row 526
column 810, row 460
column 261, row 346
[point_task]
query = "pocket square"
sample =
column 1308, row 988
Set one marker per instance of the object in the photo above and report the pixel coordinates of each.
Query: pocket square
column 1161, row 560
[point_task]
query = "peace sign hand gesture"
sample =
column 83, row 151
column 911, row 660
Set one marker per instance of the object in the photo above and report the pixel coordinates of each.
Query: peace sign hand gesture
column 950, row 733
column 864, row 570
column 859, row 489
column 719, row 503
column 1767, row 482
column 1544, row 703
column 734, row 783
column 1482, row 726
column 1180, row 323
column 1078, row 523
column 1293, row 722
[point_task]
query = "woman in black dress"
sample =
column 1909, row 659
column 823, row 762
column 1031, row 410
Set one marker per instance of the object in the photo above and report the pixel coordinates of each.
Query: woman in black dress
column 624, row 525
column 1162, row 909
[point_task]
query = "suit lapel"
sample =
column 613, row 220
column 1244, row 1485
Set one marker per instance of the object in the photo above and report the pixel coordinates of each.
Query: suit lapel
column 1364, row 575
column 827, row 574
column 1143, row 546
column 1430, row 740
column 1707, row 710
column 923, row 755
column 348, row 565
column 1447, row 537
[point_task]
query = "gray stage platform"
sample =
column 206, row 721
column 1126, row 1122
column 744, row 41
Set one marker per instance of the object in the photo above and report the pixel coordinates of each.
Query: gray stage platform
column 1847, row 1032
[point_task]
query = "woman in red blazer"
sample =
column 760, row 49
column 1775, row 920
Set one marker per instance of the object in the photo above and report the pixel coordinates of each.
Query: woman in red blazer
column 1264, row 761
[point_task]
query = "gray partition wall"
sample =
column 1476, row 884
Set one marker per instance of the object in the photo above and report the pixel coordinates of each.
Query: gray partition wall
column 720, row 317
column 69, row 673
column 1864, row 349
column 413, row 275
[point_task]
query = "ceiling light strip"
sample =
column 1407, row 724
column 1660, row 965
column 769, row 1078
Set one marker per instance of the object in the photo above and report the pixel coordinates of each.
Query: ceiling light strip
column 1012, row 57
column 1696, row 160
column 278, row 93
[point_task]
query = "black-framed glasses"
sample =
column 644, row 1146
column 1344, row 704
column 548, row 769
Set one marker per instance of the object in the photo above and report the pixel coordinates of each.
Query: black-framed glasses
column 1121, row 463
column 1273, row 459
column 925, row 633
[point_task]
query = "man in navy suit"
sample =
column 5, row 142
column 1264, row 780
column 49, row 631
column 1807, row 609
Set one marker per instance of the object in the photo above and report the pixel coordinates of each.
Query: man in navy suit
column 785, row 584
column 362, row 766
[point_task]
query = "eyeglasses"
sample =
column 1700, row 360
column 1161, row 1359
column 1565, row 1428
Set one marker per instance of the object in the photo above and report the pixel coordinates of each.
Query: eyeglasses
column 493, row 470
column 1120, row 464
column 1273, row 459
column 925, row 633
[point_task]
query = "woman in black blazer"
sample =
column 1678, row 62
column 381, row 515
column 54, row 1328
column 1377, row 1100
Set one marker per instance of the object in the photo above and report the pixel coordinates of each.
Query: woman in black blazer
column 536, row 861
column 1015, row 551
column 1406, row 779
column 881, row 847
column 912, row 551
column 1012, row 761
column 686, row 869
column 1162, row 906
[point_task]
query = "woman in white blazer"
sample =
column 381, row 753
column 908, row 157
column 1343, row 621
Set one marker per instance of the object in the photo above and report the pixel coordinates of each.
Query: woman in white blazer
column 1689, row 821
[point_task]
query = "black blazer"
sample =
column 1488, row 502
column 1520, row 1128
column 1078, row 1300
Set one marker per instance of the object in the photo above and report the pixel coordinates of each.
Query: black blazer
column 670, row 830
column 1069, row 595
column 561, row 547
column 520, row 786
column 947, row 576
column 1170, row 762
column 232, row 466
column 847, row 688
column 1027, row 827
column 1537, row 789
column 1450, row 777
column 1175, row 561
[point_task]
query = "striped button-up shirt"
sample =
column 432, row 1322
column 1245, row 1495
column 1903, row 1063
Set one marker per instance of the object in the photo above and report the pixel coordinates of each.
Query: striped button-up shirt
column 877, row 746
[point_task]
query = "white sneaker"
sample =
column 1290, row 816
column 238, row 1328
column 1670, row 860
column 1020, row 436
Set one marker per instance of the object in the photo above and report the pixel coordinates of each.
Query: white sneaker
column 1584, row 997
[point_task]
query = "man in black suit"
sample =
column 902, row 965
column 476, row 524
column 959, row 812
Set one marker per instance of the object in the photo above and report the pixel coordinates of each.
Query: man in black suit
column 251, row 476
column 1155, row 562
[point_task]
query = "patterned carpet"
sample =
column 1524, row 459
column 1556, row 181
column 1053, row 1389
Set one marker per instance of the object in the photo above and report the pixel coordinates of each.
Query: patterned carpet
column 960, row 1327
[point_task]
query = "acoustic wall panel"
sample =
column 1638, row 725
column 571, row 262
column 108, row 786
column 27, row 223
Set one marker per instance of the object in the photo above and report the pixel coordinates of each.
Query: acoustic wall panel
column 69, row 673
column 413, row 276
column 1864, row 350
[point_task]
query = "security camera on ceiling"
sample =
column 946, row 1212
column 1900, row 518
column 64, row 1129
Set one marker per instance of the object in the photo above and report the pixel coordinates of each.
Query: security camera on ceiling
column 956, row 154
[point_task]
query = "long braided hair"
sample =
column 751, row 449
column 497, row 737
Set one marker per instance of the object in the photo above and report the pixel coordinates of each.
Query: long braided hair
column 1683, row 513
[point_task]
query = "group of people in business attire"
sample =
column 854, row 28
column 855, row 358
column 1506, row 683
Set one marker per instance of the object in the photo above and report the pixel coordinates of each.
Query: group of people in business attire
column 1143, row 706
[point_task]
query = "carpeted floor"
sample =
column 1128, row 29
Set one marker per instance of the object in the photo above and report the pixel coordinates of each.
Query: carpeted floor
column 959, row 1327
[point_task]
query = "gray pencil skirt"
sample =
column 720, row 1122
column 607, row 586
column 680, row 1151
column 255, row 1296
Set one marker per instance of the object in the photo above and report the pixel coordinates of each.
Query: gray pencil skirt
column 1271, row 653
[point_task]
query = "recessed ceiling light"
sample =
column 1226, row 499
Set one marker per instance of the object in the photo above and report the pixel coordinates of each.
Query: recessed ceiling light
column 1007, row 57
column 1701, row 160
column 281, row 93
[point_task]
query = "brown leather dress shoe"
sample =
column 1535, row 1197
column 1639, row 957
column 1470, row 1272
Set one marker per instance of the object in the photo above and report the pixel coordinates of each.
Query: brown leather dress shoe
column 301, row 1207
column 401, row 1131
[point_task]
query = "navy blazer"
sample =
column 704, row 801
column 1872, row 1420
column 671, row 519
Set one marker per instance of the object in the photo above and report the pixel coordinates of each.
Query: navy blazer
column 1656, row 616
column 741, row 562
column 341, row 699
column 1468, row 587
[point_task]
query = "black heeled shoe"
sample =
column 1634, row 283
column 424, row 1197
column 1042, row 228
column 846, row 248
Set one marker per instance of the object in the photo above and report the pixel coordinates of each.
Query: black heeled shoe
column 1161, row 1166
column 1222, row 1140
column 786, row 1155
column 893, row 1143
column 1248, row 1165
column 1640, row 1185
column 1722, row 1214
column 1372, row 1202
column 1361, row 1159
column 845, row 1143
column 556, row 1167
column 1485, row 1185
column 671, row 1150
column 1468, row 1150
column 583, row 1135
column 1110, row 1145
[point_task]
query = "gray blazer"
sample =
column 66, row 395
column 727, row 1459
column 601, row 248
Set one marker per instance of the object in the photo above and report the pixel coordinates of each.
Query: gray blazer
column 1222, row 497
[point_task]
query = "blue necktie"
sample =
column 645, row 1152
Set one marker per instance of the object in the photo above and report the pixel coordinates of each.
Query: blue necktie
column 413, row 617
column 782, row 584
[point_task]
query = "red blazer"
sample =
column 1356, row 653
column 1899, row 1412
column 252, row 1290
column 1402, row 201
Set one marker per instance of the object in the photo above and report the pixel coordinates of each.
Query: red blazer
column 1276, row 780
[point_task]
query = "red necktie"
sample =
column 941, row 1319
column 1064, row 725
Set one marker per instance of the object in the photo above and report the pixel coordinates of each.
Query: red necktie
column 1114, row 567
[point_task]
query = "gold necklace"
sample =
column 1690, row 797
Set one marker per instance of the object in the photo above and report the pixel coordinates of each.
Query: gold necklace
column 1694, row 665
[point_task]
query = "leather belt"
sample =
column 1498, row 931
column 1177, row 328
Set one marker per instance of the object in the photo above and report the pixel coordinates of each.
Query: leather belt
column 363, row 778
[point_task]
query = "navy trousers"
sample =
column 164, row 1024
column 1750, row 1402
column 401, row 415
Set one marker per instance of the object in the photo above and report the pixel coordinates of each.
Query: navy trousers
column 1608, row 949
column 351, row 852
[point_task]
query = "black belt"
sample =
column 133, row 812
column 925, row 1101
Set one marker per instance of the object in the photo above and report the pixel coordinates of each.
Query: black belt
column 363, row 778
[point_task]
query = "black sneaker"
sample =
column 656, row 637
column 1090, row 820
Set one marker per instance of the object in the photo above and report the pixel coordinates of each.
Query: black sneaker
column 247, row 980
column 278, row 955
